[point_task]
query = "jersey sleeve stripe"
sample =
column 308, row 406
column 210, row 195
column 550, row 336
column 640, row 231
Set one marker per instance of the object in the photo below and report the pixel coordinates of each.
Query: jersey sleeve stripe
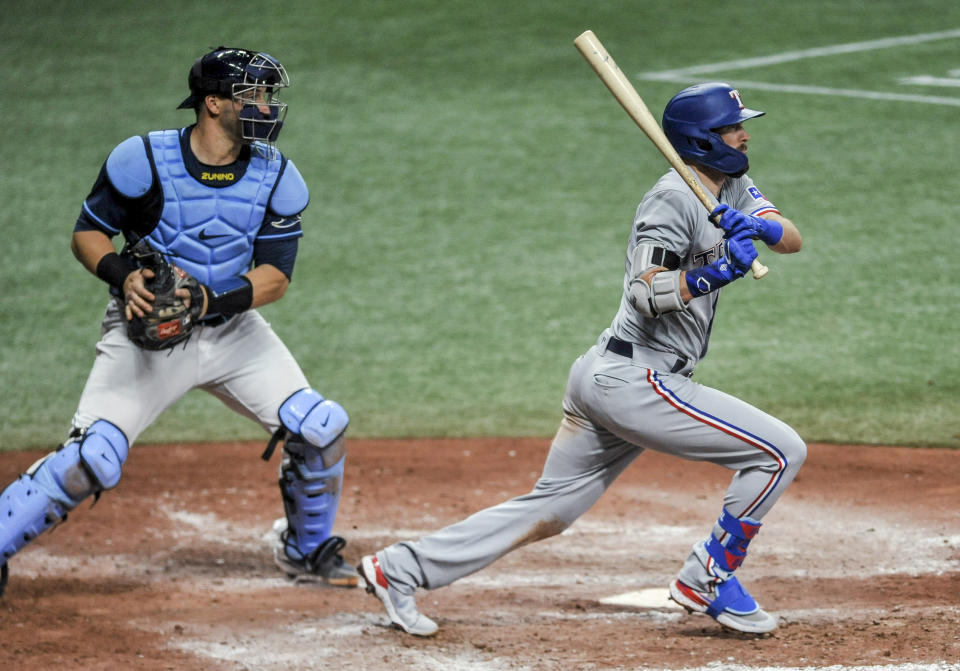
column 98, row 220
column 281, row 236
column 770, row 209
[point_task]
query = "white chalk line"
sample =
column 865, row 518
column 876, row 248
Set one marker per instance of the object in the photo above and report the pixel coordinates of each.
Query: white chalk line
column 816, row 52
column 691, row 75
column 930, row 80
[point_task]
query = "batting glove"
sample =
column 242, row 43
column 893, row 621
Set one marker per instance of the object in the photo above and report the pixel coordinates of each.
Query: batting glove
column 741, row 251
column 734, row 221
column 730, row 220
column 729, row 267
column 767, row 230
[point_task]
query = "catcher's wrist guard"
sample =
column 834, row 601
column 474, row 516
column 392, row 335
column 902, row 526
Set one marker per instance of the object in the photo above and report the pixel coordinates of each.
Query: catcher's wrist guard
column 229, row 300
column 113, row 269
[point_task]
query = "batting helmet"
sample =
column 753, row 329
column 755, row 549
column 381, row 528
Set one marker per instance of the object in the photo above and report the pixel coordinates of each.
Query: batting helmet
column 690, row 121
column 251, row 78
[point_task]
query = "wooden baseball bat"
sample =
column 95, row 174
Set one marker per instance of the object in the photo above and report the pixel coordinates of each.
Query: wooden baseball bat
column 621, row 88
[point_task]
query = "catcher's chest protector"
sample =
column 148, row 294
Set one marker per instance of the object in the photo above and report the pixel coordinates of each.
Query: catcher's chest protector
column 208, row 231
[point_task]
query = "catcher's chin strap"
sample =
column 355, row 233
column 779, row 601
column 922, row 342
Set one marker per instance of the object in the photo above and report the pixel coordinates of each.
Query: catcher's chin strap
column 278, row 436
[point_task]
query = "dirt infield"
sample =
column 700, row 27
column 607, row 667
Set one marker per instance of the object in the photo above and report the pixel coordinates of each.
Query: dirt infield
column 171, row 570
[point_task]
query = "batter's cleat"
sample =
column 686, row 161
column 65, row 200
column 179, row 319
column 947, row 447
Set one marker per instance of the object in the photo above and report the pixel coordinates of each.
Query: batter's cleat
column 728, row 603
column 402, row 609
column 4, row 576
column 323, row 566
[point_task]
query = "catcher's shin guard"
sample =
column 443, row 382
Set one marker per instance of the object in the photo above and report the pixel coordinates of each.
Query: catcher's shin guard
column 311, row 473
column 730, row 549
column 41, row 498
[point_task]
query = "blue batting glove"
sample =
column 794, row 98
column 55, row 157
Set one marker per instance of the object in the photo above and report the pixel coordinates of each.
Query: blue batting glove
column 767, row 230
column 729, row 267
column 741, row 252
column 734, row 221
column 720, row 273
column 731, row 221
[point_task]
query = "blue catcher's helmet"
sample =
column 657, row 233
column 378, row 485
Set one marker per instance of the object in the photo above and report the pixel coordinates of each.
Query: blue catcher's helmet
column 691, row 118
column 251, row 78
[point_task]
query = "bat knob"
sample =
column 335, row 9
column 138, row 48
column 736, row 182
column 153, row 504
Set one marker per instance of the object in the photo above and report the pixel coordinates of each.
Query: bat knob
column 759, row 270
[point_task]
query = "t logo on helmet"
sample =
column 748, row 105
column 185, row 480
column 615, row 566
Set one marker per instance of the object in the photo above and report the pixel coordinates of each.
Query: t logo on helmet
column 735, row 94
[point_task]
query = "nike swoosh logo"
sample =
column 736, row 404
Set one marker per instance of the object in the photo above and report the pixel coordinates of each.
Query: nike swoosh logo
column 278, row 223
column 204, row 236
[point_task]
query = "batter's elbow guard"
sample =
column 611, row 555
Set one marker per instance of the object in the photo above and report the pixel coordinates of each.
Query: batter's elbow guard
column 660, row 296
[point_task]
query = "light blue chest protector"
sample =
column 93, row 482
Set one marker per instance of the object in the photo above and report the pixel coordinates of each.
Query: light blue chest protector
column 207, row 231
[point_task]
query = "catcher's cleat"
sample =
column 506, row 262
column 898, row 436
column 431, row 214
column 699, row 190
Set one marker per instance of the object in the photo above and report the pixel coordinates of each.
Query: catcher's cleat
column 324, row 565
column 728, row 603
column 401, row 608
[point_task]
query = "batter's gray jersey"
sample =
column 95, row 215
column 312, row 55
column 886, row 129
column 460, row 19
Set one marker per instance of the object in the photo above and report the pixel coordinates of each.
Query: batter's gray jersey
column 670, row 216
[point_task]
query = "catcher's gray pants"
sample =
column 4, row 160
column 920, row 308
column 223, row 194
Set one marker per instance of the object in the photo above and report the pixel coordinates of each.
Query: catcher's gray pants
column 614, row 408
column 242, row 362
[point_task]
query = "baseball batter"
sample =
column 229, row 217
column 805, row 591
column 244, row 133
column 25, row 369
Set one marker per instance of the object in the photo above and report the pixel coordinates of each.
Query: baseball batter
column 218, row 200
column 633, row 391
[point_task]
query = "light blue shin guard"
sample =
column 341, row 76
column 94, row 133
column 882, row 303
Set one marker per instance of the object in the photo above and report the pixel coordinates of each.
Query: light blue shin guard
column 41, row 498
column 311, row 474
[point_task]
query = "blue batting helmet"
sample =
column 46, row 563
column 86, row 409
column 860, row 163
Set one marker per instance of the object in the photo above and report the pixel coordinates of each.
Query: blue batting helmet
column 691, row 118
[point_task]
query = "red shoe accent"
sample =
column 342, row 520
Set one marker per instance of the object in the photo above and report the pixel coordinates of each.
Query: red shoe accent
column 692, row 594
column 381, row 580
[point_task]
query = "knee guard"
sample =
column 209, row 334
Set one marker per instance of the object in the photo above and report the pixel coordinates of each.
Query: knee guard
column 311, row 473
column 41, row 498
column 730, row 553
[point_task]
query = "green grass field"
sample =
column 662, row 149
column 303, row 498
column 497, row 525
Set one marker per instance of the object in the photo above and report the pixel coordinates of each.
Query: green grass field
column 473, row 184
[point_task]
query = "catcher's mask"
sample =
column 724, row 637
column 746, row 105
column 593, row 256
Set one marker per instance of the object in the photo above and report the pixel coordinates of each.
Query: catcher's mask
column 251, row 78
column 692, row 117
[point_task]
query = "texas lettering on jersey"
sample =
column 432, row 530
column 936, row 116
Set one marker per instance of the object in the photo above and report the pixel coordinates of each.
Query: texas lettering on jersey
column 701, row 259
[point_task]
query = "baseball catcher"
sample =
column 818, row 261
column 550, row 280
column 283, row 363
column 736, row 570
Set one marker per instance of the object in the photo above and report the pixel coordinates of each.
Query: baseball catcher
column 211, row 214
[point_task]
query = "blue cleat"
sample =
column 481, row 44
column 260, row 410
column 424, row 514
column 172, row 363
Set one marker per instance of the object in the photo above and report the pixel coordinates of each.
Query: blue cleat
column 728, row 603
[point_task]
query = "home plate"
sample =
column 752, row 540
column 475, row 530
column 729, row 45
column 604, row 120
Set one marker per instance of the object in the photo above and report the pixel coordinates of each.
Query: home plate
column 644, row 598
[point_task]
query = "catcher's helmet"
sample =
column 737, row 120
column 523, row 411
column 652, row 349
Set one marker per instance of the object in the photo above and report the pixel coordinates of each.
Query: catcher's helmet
column 690, row 120
column 251, row 78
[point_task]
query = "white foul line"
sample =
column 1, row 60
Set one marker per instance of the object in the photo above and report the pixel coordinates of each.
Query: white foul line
column 689, row 75
column 929, row 80
column 850, row 93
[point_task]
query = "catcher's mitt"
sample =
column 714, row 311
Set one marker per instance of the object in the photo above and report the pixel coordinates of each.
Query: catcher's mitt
column 171, row 321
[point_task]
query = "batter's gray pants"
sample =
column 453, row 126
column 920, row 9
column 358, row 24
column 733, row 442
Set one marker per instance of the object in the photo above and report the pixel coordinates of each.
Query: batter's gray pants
column 615, row 407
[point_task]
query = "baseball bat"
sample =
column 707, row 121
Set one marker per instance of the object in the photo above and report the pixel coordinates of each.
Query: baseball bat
column 621, row 88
